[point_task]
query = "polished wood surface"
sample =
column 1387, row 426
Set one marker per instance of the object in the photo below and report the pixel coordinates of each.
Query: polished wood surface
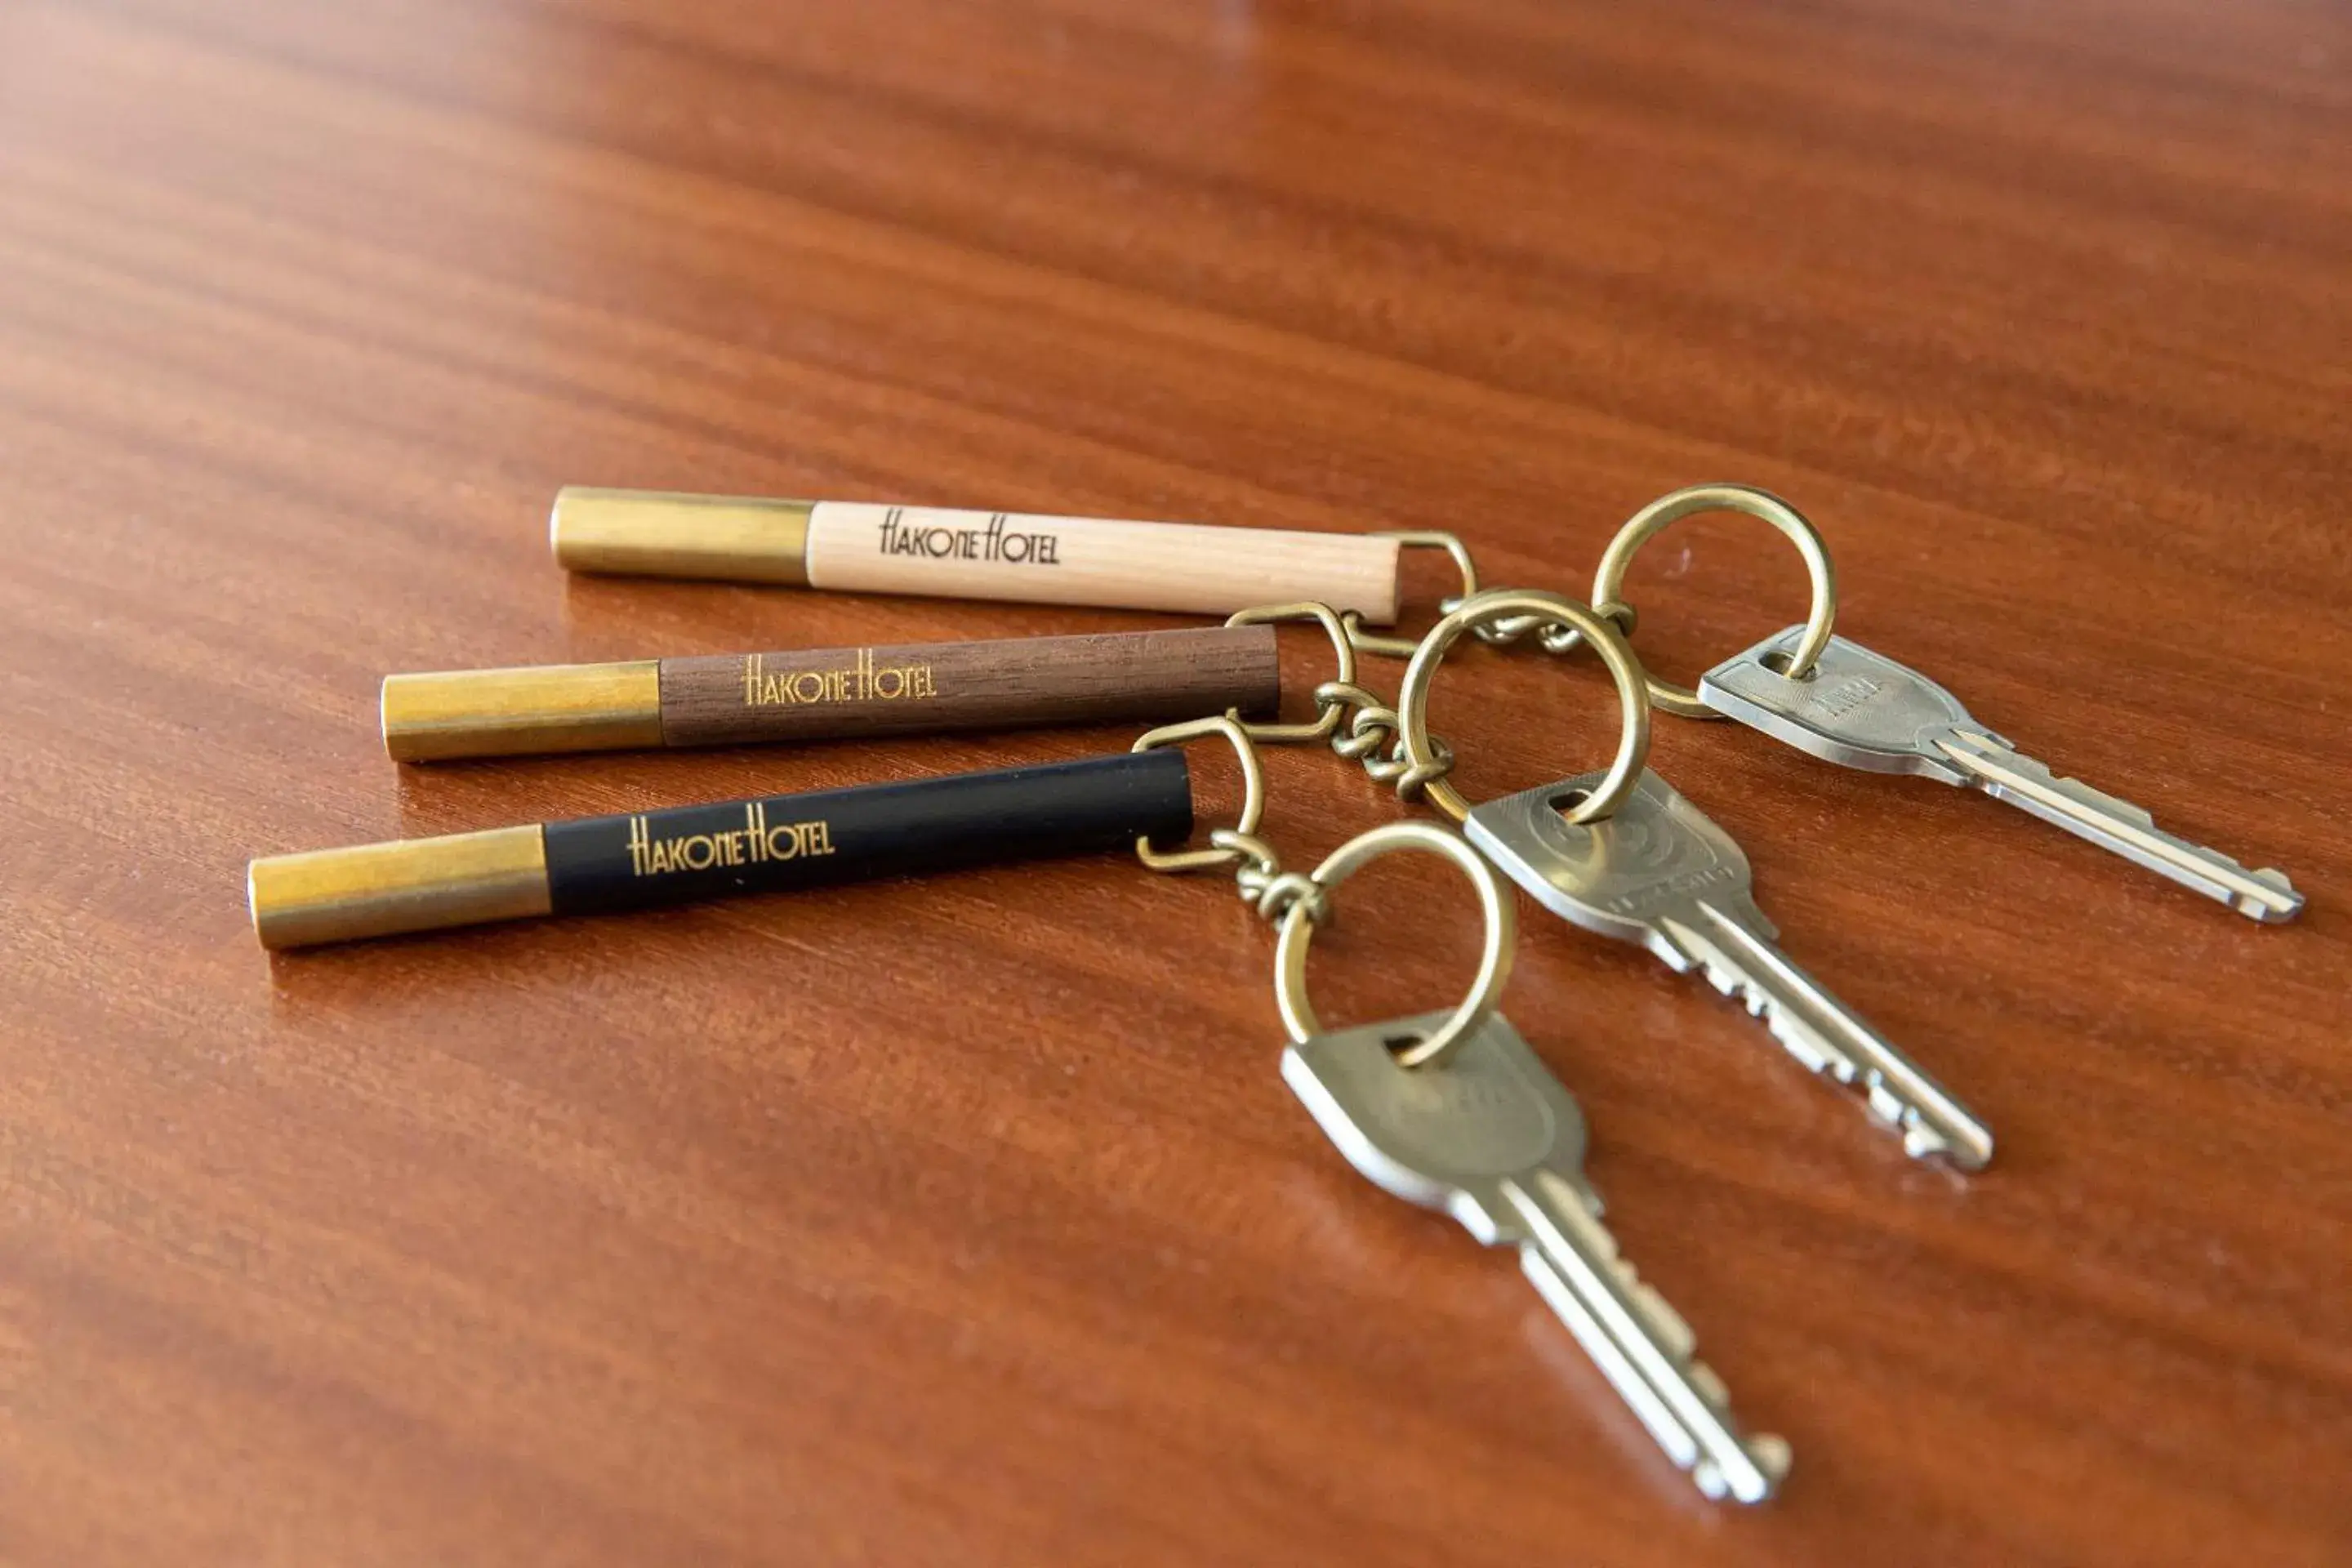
column 967, row 1221
column 994, row 684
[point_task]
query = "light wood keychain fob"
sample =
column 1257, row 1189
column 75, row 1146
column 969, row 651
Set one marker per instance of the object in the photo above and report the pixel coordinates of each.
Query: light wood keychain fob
column 856, row 547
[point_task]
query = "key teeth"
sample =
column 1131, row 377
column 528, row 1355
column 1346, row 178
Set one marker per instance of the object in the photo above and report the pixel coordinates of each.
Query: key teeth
column 1668, row 1324
column 2273, row 879
column 1816, row 1054
column 1663, row 1321
column 1885, row 1107
column 1729, row 982
column 1767, row 1455
column 1922, row 1141
column 1769, row 1452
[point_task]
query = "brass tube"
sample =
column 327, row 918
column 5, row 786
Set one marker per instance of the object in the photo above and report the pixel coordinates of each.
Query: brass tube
column 507, row 712
column 662, row 533
column 379, row 889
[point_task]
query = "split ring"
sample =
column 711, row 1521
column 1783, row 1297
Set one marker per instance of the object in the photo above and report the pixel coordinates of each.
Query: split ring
column 1494, row 958
column 1609, row 577
column 1497, row 604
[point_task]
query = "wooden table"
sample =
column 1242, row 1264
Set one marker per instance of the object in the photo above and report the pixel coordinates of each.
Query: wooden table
column 967, row 1221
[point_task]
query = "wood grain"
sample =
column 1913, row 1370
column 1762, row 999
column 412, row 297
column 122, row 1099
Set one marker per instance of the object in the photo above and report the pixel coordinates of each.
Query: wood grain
column 993, row 683
column 967, row 1221
column 1095, row 561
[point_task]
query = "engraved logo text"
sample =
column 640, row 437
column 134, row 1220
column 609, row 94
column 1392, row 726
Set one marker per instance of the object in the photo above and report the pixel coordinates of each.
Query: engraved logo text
column 861, row 682
column 1844, row 697
column 997, row 542
column 1672, row 888
column 753, row 844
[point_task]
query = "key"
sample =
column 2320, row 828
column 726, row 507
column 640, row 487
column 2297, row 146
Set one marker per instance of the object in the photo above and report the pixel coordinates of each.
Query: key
column 1492, row 1138
column 1658, row 872
column 1865, row 710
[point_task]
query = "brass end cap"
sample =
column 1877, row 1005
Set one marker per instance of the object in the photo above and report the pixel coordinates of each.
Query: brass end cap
column 668, row 533
column 515, row 713
column 381, row 889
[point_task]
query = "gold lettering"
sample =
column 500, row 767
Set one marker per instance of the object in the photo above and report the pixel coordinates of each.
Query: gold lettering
column 755, row 842
column 864, row 682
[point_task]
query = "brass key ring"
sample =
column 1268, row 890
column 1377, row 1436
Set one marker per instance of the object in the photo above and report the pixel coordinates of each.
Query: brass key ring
column 1609, row 577
column 1494, row 605
column 1493, row 959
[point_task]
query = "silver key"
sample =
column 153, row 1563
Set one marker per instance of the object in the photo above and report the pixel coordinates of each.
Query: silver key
column 1865, row 710
column 1491, row 1138
column 1660, row 873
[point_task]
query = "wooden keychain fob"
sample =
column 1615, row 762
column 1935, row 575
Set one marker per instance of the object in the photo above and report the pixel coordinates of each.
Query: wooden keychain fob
column 857, row 547
column 817, row 693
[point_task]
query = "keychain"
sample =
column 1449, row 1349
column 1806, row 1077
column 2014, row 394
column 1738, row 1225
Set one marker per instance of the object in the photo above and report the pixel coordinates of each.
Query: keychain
column 1623, row 854
column 1840, row 702
column 1453, row 1111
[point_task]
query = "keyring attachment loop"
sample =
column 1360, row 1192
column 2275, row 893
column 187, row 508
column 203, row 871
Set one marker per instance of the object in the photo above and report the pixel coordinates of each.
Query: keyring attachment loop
column 1253, row 794
column 1609, row 579
column 1494, row 958
column 1413, row 539
column 1328, row 714
column 1552, row 637
column 1264, row 885
column 1496, row 605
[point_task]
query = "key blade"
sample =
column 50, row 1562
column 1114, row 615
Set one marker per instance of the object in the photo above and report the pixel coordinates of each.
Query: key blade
column 1661, row 873
column 1641, row 1345
column 1856, row 707
column 1484, row 1136
column 2118, row 825
column 1812, row 1025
